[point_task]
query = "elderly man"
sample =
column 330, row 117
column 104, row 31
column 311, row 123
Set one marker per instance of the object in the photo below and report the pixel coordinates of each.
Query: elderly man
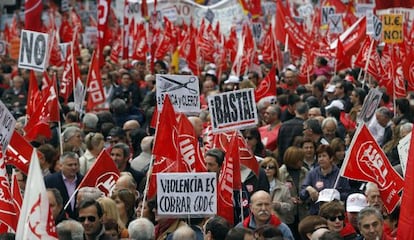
column 142, row 161
column 67, row 180
column 70, row 230
column 141, row 228
column 261, row 214
column 371, row 224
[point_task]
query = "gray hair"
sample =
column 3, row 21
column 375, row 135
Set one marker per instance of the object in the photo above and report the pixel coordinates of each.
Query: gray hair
column 302, row 108
column 184, row 232
column 70, row 230
column 90, row 120
column 70, row 132
column 367, row 211
column 141, row 229
column 370, row 187
column 67, row 155
column 385, row 112
column 57, row 195
column 329, row 119
column 89, row 193
column 146, row 144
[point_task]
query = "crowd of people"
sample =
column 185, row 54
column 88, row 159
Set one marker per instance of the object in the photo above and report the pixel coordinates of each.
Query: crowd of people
column 300, row 143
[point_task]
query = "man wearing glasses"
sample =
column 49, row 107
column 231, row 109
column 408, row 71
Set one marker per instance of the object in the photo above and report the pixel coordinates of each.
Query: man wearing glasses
column 90, row 216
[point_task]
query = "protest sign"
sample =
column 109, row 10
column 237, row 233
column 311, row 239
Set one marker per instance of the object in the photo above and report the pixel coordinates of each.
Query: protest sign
column 33, row 50
column 374, row 25
column 183, row 90
column 326, row 11
column 90, row 36
column 7, row 123
column 362, row 8
column 64, row 49
column 370, row 105
column 392, row 28
column 335, row 23
column 186, row 194
column 233, row 110
column 403, row 147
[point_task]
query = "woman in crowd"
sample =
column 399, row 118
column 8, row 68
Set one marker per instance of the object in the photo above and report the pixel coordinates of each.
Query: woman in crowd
column 72, row 140
column 125, row 203
column 94, row 144
column 254, row 142
column 292, row 173
column 321, row 177
column 338, row 147
column 334, row 213
column 281, row 199
column 111, row 214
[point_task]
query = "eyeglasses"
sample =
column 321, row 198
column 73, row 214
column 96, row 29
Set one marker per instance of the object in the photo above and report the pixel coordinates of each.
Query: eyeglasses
column 333, row 219
column 268, row 167
column 90, row 219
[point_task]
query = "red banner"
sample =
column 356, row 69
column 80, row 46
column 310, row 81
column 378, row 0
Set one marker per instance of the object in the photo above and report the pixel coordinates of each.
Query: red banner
column 365, row 161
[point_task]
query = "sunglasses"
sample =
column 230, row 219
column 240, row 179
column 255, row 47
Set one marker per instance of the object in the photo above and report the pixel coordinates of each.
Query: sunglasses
column 333, row 219
column 90, row 219
column 268, row 167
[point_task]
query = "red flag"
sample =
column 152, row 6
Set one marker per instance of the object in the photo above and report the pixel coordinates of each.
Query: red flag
column 229, row 180
column 406, row 221
column 306, row 69
column 168, row 40
column 369, row 53
column 245, row 52
column 366, row 161
column 125, row 32
column 189, row 147
column 339, row 6
column 252, row 8
column 144, row 9
column 19, row 153
column 16, row 194
column 165, row 146
column 231, row 44
column 33, row 94
column 68, row 77
column 103, row 174
column 267, row 87
column 8, row 214
column 33, row 15
column 36, row 220
column 342, row 60
column 139, row 45
column 49, row 92
column 353, row 37
column 192, row 58
column 116, row 51
column 103, row 13
column 397, row 72
column 94, row 86
column 247, row 158
column 55, row 57
column 65, row 30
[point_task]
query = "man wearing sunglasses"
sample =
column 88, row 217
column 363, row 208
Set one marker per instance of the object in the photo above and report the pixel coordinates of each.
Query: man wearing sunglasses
column 90, row 216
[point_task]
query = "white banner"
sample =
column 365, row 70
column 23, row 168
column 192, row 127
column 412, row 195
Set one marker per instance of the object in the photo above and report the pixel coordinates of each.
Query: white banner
column 7, row 123
column 33, row 50
column 183, row 90
column 186, row 194
column 326, row 11
column 374, row 26
column 233, row 110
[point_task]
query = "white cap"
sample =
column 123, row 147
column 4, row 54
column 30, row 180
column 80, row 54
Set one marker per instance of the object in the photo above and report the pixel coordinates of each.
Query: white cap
column 211, row 72
column 291, row 67
column 330, row 88
column 186, row 69
column 212, row 66
column 232, row 79
column 328, row 194
column 356, row 202
column 336, row 103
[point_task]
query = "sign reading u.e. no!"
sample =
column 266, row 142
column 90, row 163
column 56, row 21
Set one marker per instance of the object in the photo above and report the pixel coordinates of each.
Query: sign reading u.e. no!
column 33, row 50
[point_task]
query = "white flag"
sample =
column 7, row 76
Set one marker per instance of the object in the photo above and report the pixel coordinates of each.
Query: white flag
column 35, row 221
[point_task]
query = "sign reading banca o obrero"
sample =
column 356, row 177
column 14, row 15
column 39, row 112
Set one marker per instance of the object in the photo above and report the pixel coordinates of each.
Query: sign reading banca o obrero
column 233, row 110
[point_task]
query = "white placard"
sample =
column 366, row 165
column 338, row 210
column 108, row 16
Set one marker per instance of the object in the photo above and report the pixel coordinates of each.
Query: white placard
column 90, row 37
column 33, row 50
column 233, row 110
column 186, row 194
column 64, row 49
column 7, row 123
column 183, row 90
column 362, row 8
column 335, row 23
column 326, row 11
column 305, row 10
column 371, row 103
column 374, row 25
column 403, row 148
column 3, row 47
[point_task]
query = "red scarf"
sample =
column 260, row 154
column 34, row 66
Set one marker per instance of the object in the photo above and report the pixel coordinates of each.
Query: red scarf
column 275, row 221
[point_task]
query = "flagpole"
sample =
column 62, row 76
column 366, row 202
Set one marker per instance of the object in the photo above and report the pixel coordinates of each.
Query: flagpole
column 367, row 63
column 147, row 182
column 71, row 198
